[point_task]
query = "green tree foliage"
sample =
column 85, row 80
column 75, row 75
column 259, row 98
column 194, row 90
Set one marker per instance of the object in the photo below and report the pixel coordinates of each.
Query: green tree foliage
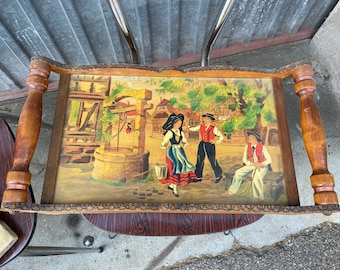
column 233, row 107
column 228, row 126
column 104, row 122
column 269, row 116
column 193, row 94
column 169, row 86
column 220, row 99
column 259, row 95
column 116, row 91
column 172, row 101
column 182, row 106
column 107, row 116
column 195, row 103
column 245, row 122
column 244, row 98
column 241, row 86
column 210, row 90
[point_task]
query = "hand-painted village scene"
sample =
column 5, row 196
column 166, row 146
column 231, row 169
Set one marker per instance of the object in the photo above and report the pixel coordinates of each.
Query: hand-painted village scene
column 170, row 140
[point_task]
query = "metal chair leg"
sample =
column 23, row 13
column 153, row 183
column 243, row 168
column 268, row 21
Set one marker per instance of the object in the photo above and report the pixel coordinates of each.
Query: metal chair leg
column 49, row 251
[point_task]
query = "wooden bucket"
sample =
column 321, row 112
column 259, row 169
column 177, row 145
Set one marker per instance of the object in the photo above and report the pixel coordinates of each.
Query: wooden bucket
column 161, row 171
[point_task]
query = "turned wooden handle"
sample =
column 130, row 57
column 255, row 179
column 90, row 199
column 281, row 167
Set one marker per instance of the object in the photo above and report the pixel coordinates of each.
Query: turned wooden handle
column 19, row 178
column 313, row 135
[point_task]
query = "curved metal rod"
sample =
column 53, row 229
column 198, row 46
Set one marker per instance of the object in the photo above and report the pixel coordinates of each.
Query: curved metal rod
column 215, row 30
column 124, row 26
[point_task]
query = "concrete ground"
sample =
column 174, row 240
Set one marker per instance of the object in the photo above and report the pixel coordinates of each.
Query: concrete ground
column 274, row 242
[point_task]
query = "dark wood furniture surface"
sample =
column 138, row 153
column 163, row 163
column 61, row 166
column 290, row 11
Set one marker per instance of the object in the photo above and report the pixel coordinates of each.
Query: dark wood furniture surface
column 169, row 224
column 23, row 224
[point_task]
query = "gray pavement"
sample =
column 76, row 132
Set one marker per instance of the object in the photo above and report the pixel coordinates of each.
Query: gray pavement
column 274, row 242
column 313, row 248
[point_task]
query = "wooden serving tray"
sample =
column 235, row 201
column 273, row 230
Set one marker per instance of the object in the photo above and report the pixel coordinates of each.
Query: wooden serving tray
column 106, row 146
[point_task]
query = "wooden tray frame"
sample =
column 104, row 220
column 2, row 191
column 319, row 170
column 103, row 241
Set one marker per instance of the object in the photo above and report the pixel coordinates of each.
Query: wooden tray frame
column 18, row 179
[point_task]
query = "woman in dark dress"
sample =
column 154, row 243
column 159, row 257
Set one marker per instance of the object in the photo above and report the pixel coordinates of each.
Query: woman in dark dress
column 180, row 170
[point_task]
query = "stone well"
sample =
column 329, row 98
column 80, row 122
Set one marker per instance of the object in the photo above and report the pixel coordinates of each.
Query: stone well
column 120, row 167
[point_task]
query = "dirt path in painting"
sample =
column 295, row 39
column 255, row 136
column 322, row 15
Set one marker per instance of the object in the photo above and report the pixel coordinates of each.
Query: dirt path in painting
column 76, row 185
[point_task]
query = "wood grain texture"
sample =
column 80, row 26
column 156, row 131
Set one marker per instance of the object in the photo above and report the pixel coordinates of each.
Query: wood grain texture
column 163, row 224
column 194, row 72
column 23, row 224
column 314, row 137
column 56, row 138
column 286, row 150
column 19, row 178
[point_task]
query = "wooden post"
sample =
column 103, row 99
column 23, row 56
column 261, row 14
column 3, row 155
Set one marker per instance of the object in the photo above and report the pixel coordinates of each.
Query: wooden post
column 313, row 135
column 19, row 178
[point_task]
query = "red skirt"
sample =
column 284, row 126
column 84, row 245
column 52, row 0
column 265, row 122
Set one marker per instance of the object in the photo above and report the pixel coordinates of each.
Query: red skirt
column 178, row 179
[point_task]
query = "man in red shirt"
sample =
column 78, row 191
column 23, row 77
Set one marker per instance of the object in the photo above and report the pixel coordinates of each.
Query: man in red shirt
column 256, row 160
column 209, row 136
